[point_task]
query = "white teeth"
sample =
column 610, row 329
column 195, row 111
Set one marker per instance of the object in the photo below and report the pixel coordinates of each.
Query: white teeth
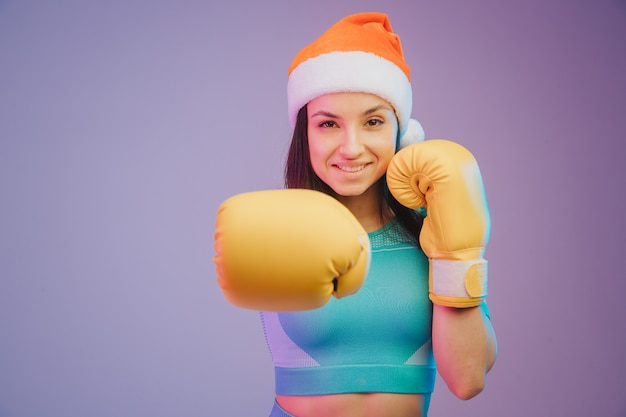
column 350, row 169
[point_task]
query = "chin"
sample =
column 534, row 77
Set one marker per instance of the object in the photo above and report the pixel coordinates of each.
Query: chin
column 349, row 191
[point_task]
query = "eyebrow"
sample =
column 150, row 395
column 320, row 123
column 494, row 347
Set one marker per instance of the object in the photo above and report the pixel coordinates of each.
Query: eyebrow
column 377, row 108
column 365, row 113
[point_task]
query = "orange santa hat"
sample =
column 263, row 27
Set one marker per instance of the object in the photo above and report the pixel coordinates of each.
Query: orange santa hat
column 360, row 53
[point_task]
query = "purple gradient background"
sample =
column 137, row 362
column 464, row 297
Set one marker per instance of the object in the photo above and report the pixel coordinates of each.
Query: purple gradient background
column 124, row 124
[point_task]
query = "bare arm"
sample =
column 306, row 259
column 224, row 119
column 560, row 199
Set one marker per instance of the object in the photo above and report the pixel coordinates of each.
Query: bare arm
column 465, row 348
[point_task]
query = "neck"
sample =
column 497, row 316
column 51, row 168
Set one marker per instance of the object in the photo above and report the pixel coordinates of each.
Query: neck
column 367, row 208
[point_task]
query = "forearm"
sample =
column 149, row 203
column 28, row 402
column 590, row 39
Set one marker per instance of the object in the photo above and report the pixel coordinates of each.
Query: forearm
column 464, row 345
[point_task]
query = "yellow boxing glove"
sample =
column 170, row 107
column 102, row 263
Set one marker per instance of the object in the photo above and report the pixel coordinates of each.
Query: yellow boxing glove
column 288, row 250
column 444, row 177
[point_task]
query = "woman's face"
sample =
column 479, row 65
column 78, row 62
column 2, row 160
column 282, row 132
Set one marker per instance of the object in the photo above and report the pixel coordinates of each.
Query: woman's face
column 352, row 138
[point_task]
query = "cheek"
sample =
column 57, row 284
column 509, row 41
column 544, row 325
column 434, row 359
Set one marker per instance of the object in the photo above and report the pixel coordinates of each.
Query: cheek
column 387, row 151
column 385, row 160
column 385, row 155
column 317, row 155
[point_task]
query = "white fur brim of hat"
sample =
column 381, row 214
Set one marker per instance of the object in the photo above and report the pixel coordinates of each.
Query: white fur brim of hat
column 354, row 71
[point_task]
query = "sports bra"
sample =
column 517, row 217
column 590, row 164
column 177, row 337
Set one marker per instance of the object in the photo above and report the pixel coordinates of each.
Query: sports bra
column 377, row 340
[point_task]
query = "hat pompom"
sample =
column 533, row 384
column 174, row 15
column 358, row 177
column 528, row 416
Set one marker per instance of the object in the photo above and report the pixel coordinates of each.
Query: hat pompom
column 414, row 134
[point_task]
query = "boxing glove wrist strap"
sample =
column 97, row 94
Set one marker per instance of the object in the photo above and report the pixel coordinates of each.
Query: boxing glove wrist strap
column 458, row 283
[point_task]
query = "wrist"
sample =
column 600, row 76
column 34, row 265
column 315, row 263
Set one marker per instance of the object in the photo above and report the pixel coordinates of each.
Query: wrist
column 458, row 283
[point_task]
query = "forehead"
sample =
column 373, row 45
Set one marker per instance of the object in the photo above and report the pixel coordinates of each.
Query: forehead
column 348, row 102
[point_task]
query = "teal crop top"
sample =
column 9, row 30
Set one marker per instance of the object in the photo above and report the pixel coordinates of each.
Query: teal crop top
column 377, row 340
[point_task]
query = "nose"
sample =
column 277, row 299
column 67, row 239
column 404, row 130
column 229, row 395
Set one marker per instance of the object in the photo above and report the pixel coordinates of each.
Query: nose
column 351, row 144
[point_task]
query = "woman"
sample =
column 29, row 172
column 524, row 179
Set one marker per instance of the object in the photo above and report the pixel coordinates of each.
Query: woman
column 372, row 354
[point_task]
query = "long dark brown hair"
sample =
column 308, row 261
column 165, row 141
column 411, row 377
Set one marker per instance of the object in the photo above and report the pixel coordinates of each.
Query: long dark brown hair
column 299, row 174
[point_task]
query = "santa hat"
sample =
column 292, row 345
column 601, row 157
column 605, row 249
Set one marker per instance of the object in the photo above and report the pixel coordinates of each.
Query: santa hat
column 360, row 53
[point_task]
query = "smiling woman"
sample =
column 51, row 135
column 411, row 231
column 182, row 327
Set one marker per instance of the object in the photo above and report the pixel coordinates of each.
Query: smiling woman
column 372, row 353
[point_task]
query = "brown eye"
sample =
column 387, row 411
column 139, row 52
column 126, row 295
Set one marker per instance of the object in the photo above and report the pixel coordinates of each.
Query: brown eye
column 328, row 123
column 375, row 122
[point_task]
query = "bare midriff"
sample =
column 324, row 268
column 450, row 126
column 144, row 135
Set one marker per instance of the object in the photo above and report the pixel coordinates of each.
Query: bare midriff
column 354, row 405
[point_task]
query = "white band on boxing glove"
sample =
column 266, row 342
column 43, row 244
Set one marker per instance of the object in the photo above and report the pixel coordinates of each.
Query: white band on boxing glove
column 463, row 279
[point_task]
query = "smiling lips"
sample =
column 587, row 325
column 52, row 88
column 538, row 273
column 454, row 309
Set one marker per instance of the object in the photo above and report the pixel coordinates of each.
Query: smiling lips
column 351, row 168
